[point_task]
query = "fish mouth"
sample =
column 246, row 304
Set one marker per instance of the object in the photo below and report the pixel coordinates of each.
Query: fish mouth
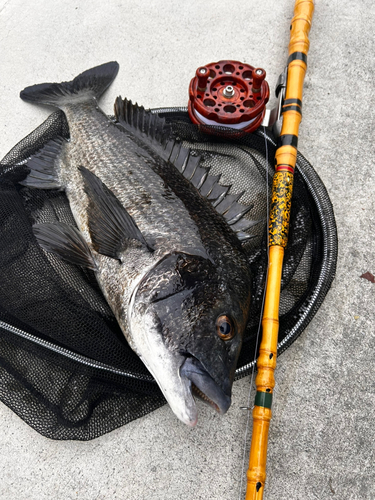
column 204, row 386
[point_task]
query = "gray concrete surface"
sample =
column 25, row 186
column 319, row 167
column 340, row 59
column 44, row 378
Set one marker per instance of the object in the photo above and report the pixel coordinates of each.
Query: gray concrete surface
column 322, row 434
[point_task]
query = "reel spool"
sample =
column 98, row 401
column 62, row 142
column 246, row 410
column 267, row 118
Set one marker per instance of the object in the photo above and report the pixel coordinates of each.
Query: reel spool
column 230, row 94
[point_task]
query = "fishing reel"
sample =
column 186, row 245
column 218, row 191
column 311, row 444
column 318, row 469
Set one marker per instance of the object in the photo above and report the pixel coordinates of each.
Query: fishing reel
column 229, row 94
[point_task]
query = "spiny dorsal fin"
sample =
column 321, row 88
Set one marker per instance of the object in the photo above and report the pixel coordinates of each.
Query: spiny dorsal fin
column 227, row 203
column 244, row 237
column 236, row 212
column 243, row 224
column 154, row 131
column 200, row 175
column 209, row 183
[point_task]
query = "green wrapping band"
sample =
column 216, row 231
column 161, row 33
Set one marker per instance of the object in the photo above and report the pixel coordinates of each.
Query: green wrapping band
column 263, row 399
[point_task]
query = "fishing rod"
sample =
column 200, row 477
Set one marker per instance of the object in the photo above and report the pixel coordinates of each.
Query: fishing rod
column 282, row 188
column 234, row 94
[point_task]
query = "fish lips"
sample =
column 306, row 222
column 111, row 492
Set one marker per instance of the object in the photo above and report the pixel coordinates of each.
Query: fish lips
column 212, row 393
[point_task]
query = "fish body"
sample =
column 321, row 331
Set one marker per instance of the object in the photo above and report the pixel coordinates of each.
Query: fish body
column 169, row 264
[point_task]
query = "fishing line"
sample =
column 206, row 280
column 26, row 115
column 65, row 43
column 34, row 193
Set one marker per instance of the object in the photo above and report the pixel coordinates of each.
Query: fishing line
column 247, row 407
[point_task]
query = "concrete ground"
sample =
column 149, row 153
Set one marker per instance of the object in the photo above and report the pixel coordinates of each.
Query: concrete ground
column 322, row 435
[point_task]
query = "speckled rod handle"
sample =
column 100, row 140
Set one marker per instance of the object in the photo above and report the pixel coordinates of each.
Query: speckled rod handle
column 285, row 162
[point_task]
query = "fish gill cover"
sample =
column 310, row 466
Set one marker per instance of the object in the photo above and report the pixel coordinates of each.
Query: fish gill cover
column 66, row 368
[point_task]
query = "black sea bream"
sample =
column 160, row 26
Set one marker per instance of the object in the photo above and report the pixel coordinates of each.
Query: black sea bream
column 162, row 236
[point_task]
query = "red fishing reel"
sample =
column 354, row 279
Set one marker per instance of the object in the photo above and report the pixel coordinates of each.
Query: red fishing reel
column 230, row 94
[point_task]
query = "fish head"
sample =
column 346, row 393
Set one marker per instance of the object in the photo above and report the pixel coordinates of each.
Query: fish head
column 187, row 318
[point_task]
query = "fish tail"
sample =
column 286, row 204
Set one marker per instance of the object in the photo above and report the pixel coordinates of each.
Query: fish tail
column 86, row 86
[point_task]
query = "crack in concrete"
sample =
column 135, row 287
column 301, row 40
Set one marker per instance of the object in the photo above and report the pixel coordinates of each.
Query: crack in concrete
column 3, row 7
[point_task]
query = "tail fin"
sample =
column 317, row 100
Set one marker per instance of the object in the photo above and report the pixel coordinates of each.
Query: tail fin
column 89, row 84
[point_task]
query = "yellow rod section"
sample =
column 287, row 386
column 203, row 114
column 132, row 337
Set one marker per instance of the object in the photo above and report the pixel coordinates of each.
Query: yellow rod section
column 286, row 156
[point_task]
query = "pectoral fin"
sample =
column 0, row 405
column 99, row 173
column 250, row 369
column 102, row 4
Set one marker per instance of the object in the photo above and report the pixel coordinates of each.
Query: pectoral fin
column 109, row 222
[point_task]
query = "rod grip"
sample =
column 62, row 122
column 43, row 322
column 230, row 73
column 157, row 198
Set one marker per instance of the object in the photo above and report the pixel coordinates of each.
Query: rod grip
column 265, row 381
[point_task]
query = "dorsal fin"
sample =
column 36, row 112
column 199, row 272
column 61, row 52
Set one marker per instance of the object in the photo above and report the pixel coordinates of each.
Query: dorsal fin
column 209, row 183
column 152, row 129
column 156, row 133
column 228, row 202
column 243, row 224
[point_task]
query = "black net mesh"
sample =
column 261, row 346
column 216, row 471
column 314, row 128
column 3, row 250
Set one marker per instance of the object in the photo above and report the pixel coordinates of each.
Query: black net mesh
column 65, row 367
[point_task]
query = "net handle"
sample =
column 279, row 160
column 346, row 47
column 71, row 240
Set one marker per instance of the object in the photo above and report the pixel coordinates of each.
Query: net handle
column 285, row 160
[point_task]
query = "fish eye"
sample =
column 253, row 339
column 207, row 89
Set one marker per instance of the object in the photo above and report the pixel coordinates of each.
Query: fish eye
column 225, row 327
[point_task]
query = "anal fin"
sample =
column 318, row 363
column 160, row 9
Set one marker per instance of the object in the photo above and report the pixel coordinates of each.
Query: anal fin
column 66, row 242
column 43, row 166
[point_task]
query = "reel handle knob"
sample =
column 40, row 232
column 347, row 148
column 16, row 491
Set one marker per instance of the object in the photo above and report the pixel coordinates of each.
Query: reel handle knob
column 259, row 75
column 202, row 75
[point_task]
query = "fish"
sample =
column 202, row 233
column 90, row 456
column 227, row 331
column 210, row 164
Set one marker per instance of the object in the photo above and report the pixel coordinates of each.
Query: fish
column 163, row 237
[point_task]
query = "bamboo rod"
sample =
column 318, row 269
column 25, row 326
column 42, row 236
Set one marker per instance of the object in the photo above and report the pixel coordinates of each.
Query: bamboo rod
column 286, row 156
